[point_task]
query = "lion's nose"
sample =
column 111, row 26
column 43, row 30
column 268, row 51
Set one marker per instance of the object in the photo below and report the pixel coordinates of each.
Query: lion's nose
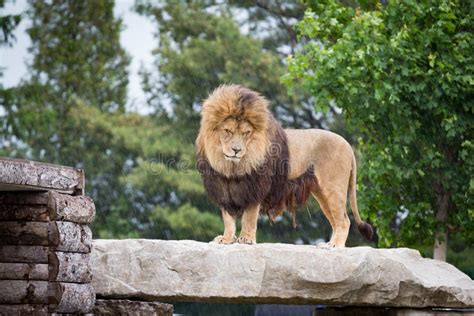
column 236, row 150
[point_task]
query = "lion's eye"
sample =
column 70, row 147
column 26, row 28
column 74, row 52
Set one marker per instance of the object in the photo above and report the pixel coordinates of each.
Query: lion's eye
column 228, row 131
column 246, row 133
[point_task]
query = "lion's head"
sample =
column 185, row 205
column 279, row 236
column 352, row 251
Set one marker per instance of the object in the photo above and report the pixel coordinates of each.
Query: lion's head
column 234, row 130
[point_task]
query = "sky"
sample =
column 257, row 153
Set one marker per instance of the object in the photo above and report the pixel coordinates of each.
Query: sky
column 136, row 38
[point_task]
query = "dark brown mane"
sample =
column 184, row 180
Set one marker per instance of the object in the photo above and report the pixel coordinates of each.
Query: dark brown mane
column 267, row 185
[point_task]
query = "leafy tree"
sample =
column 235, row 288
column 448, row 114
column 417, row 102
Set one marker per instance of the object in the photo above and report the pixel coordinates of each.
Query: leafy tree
column 403, row 75
column 77, row 51
column 8, row 23
column 272, row 23
column 262, row 16
column 184, row 30
column 64, row 111
column 198, row 50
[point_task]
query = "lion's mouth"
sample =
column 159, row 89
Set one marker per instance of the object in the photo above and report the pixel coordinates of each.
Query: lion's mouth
column 232, row 158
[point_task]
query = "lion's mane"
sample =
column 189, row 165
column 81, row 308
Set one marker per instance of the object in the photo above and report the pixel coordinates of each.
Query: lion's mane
column 261, row 177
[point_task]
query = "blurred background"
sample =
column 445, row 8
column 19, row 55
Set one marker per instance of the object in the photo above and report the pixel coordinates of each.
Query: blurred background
column 115, row 88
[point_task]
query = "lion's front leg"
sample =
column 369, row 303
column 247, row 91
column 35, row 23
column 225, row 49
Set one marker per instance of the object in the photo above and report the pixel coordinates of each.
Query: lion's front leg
column 229, row 229
column 248, row 233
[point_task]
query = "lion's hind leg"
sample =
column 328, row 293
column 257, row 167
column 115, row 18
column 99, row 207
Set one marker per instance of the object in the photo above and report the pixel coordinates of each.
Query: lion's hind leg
column 333, row 205
column 325, row 209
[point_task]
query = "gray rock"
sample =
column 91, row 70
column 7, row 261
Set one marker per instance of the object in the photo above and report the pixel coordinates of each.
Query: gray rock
column 275, row 273
column 20, row 175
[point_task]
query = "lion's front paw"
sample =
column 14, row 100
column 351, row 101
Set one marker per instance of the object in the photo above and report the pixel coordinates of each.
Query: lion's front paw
column 245, row 240
column 222, row 240
column 325, row 245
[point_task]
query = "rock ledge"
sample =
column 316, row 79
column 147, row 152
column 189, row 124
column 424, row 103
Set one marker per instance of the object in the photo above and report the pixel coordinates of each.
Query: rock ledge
column 275, row 273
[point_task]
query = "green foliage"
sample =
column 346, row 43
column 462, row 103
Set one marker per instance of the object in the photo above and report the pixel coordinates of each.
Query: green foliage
column 198, row 51
column 403, row 75
column 77, row 51
column 200, row 46
column 69, row 107
column 77, row 63
column 187, row 222
column 8, row 23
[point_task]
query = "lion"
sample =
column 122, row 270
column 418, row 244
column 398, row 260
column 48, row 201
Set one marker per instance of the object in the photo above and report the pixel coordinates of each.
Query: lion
column 251, row 165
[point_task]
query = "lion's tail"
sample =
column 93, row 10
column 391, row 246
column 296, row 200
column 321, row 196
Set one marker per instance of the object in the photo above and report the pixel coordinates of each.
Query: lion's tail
column 364, row 228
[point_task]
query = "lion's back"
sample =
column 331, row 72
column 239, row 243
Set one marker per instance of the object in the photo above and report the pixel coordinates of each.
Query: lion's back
column 321, row 148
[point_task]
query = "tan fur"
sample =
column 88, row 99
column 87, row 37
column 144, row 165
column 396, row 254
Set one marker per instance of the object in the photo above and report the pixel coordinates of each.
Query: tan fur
column 229, row 230
column 334, row 163
column 332, row 157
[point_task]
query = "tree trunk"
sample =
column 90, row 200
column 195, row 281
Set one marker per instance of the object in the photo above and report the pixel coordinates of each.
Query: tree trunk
column 440, row 246
column 441, row 236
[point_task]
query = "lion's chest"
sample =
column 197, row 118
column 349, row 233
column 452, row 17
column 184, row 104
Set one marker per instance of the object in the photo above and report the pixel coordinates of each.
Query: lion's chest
column 237, row 194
